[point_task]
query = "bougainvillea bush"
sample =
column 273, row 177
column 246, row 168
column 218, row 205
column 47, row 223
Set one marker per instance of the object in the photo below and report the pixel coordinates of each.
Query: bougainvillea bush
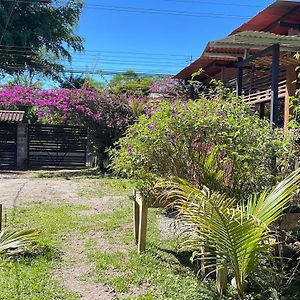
column 106, row 116
column 188, row 139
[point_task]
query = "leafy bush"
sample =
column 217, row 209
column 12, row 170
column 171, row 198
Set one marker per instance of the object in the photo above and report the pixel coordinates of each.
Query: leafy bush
column 179, row 139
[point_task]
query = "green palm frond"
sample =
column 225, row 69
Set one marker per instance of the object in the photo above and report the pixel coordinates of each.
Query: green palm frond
column 236, row 234
column 269, row 206
column 16, row 240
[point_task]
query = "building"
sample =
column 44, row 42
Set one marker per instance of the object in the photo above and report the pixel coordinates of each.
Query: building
column 257, row 60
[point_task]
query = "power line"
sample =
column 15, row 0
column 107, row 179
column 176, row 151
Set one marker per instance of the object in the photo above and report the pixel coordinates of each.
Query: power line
column 163, row 12
column 216, row 3
column 100, row 72
column 121, row 63
column 152, row 11
column 17, row 49
column 104, row 58
column 112, row 60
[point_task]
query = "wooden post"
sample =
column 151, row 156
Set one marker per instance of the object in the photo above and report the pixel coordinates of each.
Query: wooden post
column 140, row 215
column 135, row 218
column 275, row 79
column 262, row 110
column 239, row 79
column 1, row 217
column 291, row 76
column 142, row 227
column 222, row 75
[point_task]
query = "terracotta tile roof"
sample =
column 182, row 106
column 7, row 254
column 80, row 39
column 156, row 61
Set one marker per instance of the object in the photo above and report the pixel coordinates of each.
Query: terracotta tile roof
column 11, row 116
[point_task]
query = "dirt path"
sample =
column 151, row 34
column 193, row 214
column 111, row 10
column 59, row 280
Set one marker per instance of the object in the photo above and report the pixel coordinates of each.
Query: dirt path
column 18, row 188
column 22, row 187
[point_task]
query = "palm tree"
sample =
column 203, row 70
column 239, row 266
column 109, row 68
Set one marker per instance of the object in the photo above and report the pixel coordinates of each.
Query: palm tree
column 228, row 233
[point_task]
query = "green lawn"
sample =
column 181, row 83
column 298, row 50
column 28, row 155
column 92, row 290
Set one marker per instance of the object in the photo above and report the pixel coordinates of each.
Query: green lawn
column 161, row 273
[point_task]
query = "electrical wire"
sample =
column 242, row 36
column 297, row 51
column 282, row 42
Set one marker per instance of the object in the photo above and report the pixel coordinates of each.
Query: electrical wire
column 99, row 72
column 216, row 3
column 151, row 11
column 118, row 58
column 154, row 54
column 163, row 12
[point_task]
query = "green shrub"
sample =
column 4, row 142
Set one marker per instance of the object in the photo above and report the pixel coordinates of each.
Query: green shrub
column 179, row 139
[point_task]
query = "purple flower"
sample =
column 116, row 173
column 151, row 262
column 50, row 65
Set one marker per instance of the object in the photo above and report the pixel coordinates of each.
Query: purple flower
column 171, row 138
column 129, row 149
column 152, row 125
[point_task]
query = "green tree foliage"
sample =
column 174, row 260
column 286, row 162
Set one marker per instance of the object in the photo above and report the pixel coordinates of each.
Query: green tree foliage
column 130, row 83
column 36, row 35
column 79, row 82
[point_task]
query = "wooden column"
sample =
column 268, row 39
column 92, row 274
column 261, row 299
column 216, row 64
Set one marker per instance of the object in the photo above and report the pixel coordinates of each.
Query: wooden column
column 239, row 79
column 291, row 76
column 262, row 110
column 275, row 79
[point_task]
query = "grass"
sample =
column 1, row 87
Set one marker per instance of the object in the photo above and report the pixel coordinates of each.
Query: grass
column 161, row 272
column 30, row 276
column 157, row 274
column 107, row 186
column 71, row 174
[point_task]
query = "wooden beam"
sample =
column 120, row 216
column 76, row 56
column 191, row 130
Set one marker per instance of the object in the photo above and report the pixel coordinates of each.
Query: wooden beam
column 275, row 79
column 136, row 218
column 290, row 25
column 282, row 18
column 255, row 56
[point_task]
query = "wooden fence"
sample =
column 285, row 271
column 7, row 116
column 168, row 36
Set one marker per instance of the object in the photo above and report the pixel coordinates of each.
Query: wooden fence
column 57, row 146
column 8, row 145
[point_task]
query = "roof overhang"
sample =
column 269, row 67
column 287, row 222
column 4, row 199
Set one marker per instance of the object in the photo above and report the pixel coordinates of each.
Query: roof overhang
column 271, row 18
column 256, row 40
column 271, row 21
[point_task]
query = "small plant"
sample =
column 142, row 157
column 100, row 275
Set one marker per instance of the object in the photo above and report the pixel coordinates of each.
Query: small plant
column 16, row 241
column 228, row 234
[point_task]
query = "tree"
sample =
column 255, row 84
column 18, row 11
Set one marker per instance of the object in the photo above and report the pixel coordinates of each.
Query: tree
column 79, row 82
column 36, row 35
column 130, row 83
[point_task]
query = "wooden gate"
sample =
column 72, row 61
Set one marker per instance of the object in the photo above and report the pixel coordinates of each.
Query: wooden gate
column 57, row 146
column 8, row 145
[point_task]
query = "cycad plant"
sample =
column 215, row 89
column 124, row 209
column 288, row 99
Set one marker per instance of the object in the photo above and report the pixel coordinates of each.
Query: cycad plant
column 227, row 233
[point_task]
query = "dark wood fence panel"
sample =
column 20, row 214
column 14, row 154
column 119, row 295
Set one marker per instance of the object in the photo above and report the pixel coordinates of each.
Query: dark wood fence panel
column 8, row 145
column 57, row 146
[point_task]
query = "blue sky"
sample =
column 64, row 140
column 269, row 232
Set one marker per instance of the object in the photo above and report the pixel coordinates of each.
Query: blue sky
column 148, row 42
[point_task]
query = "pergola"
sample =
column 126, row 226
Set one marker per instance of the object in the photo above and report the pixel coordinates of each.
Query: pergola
column 257, row 60
column 260, row 49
